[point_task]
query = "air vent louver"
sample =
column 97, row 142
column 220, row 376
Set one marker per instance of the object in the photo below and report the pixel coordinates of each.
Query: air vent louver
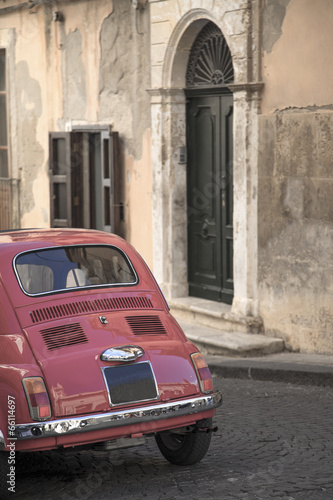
column 87, row 306
column 146, row 325
column 63, row 336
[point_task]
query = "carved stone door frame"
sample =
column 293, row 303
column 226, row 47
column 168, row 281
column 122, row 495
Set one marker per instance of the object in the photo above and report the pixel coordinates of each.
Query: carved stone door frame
column 168, row 112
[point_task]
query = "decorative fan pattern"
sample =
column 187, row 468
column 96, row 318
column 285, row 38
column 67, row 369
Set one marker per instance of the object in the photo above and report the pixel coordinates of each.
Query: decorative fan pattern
column 210, row 61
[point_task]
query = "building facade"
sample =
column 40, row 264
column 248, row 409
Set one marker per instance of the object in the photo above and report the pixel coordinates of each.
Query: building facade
column 198, row 130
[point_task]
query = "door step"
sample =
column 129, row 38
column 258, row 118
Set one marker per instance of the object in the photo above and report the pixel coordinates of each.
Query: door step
column 215, row 330
column 222, row 343
column 213, row 314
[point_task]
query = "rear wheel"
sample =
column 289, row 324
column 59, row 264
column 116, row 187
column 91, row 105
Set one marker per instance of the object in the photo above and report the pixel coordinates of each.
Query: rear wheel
column 3, row 474
column 186, row 448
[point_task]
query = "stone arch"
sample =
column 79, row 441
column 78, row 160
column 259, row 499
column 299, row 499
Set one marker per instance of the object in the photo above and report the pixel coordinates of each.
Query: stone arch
column 181, row 42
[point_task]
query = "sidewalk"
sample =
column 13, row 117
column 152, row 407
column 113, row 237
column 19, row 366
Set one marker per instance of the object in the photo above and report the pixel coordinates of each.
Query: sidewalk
column 294, row 368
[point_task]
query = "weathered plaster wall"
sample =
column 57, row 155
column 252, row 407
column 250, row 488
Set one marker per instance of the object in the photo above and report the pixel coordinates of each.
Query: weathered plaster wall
column 32, row 153
column 138, row 192
column 295, row 178
column 123, row 80
column 89, row 69
column 124, row 74
column 297, row 54
column 29, row 117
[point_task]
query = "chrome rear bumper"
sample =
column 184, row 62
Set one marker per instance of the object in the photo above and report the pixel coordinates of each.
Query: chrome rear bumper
column 101, row 421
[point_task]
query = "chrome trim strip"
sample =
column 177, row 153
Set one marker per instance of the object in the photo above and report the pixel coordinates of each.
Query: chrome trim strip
column 101, row 421
column 2, row 441
column 122, row 353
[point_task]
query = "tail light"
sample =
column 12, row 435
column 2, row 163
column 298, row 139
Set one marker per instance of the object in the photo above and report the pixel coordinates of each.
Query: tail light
column 37, row 397
column 203, row 372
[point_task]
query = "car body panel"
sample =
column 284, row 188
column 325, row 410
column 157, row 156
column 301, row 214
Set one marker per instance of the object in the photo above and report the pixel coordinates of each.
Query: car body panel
column 73, row 372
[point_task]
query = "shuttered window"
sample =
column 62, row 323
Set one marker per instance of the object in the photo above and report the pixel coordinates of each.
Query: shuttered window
column 84, row 168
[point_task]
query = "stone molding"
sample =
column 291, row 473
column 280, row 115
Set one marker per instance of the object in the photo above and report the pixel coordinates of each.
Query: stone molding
column 167, row 96
column 247, row 87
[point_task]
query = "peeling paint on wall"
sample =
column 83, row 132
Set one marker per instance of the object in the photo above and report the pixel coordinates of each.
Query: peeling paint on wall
column 124, row 76
column 297, row 70
column 31, row 152
column 73, row 77
column 273, row 16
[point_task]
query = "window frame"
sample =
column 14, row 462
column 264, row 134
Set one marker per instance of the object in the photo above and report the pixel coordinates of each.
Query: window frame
column 77, row 288
column 4, row 92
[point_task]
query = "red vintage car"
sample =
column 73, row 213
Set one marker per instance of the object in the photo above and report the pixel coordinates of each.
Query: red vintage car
column 89, row 352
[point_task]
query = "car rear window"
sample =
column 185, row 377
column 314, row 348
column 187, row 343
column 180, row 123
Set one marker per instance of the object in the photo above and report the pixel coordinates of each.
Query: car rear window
column 57, row 269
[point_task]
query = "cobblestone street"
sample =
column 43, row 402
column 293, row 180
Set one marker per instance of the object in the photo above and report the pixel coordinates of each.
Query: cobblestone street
column 274, row 440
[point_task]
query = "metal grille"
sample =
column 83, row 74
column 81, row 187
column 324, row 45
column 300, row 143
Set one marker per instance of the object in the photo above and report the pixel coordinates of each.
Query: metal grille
column 63, row 336
column 146, row 325
column 87, row 306
column 210, row 61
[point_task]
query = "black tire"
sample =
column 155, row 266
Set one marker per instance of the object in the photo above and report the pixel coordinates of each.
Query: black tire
column 185, row 449
column 3, row 474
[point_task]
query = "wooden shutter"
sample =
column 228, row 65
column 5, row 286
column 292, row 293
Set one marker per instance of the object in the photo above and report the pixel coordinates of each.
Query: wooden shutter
column 105, row 183
column 85, row 180
column 60, row 179
column 118, row 188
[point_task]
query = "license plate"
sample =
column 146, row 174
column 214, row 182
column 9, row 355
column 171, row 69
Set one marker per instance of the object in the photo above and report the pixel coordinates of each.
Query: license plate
column 130, row 383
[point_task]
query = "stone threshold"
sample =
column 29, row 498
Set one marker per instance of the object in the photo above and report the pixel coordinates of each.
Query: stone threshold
column 215, row 330
column 213, row 314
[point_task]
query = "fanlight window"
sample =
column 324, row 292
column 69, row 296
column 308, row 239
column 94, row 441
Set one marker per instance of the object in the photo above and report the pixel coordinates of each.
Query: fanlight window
column 210, row 61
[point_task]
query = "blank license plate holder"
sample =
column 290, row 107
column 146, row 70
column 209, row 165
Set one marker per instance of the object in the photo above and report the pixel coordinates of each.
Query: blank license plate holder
column 130, row 383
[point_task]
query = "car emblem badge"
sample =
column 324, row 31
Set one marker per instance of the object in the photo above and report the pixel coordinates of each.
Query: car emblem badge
column 103, row 320
column 123, row 353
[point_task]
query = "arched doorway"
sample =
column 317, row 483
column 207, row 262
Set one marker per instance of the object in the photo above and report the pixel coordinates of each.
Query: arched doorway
column 209, row 113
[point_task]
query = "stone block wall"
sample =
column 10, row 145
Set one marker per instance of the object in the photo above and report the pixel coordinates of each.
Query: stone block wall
column 295, row 228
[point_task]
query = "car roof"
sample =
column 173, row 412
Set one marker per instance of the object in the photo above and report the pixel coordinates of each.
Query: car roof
column 39, row 238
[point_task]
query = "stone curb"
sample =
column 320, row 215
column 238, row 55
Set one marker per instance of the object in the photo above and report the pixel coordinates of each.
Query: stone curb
column 292, row 373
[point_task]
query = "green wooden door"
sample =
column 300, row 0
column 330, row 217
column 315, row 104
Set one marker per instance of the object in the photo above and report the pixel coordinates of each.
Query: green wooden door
column 210, row 197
